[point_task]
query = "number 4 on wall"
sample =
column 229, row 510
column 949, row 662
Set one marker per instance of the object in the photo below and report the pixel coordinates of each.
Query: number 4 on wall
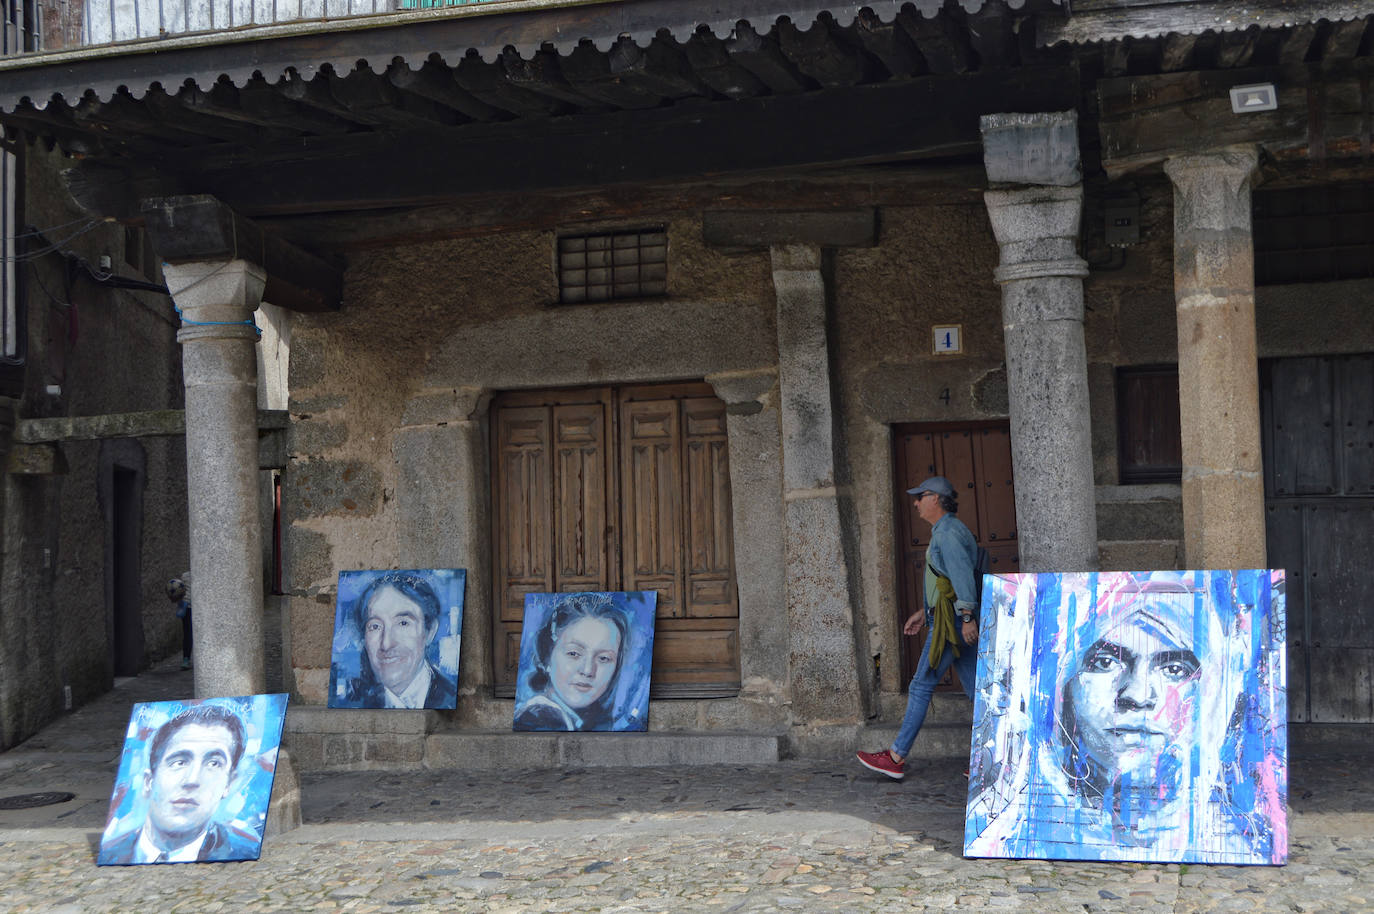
column 949, row 339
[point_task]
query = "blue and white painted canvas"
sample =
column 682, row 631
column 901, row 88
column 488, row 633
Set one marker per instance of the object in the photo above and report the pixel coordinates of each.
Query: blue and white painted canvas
column 397, row 636
column 194, row 781
column 1131, row 716
column 585, row 660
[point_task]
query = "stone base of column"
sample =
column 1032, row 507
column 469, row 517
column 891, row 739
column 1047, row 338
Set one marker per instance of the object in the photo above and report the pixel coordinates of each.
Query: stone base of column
column 284, row 810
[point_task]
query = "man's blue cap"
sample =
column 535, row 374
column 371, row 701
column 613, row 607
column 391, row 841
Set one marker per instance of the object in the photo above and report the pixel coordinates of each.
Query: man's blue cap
column 937, row 484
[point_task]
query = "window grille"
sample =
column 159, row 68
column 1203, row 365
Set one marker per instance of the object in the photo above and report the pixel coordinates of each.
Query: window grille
column 593, row 268
column 1314, row 234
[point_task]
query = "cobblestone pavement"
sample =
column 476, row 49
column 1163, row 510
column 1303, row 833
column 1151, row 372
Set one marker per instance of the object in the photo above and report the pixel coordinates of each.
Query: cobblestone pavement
column 800, row 835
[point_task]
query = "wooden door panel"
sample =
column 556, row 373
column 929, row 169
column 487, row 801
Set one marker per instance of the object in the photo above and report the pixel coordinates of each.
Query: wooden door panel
column 1302, row 458
column 580, row 485
column 694, row 657
column 525, row 507
column 996, row 501
column 710, row 562
column 650, row 479
column 1284, row 535
column 1356, row 432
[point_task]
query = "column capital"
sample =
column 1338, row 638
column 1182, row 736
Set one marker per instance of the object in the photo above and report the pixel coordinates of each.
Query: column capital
column 210, row 290
column 1212, row 189
column 1238, row 160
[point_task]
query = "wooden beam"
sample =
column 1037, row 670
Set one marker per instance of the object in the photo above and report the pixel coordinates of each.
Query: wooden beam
column 889, row 122
column 714, row 66
column 992, row 36
column 489, row 83
column 374, row 97
column 941, row 41
column 1235, row 49
column 434, row 81
column 315, row 94
column 660, row 69
column 542, row 75
column 1177, row 53
column 484, row 214
column 760, row 55
column 589, row 72
column 824, row 53
column 200, row 228
column 265, row 104
column 149, row 424
column 1344, row 39
column 1321, row 110
column 889, row 43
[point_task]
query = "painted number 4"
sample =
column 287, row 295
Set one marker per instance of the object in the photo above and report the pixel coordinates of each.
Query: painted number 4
column 948, row 340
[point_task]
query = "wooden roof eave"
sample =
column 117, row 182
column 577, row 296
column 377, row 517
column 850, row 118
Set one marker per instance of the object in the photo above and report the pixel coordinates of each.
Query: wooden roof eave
column 413, row 37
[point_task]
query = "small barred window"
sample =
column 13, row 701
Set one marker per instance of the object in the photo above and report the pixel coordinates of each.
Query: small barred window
column 621, row 265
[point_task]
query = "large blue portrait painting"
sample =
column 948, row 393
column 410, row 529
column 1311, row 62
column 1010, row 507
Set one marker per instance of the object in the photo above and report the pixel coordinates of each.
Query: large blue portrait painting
column 1131, row 716
column 396, row 639
column 584, row 661
column 194, row 781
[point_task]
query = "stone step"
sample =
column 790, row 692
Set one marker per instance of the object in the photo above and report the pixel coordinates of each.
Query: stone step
column 324, row 739
column 1139, row 555
column 1139, row 512
column 1309, row 738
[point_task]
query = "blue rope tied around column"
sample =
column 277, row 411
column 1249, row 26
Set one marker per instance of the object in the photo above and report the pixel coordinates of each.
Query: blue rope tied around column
column 190, row 323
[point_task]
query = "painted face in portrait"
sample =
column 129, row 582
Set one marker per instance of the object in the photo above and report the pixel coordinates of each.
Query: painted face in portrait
column 188, row 783
column 1133, row 705
column 396, row 636
column 583, row 661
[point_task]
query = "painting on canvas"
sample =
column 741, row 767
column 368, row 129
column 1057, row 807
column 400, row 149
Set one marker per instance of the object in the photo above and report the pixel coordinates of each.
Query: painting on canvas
column 584, row 661
column 1131, row 716
column 396, row 639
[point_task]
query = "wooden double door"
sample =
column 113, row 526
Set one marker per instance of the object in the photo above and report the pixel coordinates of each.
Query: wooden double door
column 1318, row 426
column 620, row 488
column 976, row 458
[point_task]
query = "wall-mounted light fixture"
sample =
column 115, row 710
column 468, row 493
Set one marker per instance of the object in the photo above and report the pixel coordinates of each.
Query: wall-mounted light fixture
column 1259, row 97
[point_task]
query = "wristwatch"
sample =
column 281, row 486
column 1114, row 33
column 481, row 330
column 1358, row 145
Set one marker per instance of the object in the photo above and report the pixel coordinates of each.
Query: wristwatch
column 967, row 617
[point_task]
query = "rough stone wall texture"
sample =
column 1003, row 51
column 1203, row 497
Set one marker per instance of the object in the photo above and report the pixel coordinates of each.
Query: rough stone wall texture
column 389, row 402
column 110, row 351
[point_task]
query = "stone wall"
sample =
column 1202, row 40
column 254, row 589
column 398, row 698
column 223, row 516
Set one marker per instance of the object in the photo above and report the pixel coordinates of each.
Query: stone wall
column 100, row 351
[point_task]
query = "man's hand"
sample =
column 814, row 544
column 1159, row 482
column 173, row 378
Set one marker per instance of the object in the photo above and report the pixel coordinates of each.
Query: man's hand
column 970, row 632
column 915, row 623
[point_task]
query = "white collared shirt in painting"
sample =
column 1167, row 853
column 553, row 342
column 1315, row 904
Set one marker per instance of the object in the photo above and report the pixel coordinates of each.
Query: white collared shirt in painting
column 148, row 852
column 414, row 694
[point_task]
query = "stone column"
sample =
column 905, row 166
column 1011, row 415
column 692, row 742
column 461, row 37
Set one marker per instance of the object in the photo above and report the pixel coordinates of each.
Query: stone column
column 219, row 367
column 825, row 686
column 1036, row 225
column 442, row 494
column 751, row 423
column 1218, row 383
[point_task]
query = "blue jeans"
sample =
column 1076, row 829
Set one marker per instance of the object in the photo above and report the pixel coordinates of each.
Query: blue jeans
column 923, row 684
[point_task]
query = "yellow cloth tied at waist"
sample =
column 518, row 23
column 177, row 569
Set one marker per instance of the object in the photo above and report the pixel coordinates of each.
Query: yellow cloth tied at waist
column 942, row 629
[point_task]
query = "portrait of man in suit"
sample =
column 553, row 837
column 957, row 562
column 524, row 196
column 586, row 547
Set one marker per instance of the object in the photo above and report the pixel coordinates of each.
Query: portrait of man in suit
column 193, row 760
column 390, row 639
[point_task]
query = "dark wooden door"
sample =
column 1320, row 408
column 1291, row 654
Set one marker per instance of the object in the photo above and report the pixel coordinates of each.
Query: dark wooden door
column 976, row 458
column 1318, row 423
column 620, row 489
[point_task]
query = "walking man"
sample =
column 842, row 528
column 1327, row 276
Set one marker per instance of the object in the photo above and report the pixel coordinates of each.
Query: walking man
column 951, row 598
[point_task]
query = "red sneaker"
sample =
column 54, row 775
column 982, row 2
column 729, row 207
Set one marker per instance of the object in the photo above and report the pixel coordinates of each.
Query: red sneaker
column 882, row 763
